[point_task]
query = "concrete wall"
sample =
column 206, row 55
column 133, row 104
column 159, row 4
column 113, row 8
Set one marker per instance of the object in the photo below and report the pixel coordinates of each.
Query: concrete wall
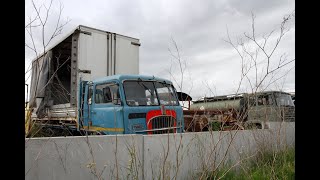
column 96, row 157
column 191, row 153
column 147, row 157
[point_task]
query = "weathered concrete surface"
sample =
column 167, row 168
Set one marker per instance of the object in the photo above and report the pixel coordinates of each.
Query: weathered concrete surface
column 192, row 153
column 96, row 157
column 148, row 157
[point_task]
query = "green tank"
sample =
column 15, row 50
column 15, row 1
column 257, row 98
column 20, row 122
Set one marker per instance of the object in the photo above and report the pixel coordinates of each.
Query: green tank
column 219, row 103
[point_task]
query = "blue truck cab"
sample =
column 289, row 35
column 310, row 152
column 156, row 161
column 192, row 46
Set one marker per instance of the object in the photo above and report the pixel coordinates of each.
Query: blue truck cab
column 129, row 104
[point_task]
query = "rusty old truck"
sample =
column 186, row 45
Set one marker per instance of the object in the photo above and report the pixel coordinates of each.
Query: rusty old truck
column 239, row 111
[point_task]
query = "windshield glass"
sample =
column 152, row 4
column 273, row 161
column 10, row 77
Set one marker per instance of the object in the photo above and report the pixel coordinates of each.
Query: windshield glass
column 166, row 94
column 148, row 93
column 284, row 99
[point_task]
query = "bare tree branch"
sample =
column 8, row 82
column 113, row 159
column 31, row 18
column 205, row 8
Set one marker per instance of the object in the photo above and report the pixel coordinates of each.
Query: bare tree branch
column 31, row 21
column 43, row 24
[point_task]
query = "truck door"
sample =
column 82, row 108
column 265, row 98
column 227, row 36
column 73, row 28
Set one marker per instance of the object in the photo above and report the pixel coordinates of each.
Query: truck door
column 106, row 111
column 262, row 108
column 85, row 108
column 82, row 103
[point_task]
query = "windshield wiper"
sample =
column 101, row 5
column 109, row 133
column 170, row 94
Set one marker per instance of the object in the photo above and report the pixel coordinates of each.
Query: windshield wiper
column 144, row 86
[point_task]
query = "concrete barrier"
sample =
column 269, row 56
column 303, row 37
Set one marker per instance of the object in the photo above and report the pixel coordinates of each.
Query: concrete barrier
column 148, row 157
column 95, row 157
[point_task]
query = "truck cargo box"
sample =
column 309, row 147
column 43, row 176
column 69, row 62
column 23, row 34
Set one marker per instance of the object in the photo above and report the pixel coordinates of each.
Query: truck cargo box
column 84, row 54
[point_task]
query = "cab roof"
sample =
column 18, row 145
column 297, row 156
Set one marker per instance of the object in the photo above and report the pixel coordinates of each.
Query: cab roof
column 123, row 77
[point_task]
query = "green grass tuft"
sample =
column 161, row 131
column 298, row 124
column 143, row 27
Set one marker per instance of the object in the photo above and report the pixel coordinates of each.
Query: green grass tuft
column 280, row 165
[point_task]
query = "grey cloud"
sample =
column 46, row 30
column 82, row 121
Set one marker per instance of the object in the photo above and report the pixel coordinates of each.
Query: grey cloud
column 246, row 7
column 198, row 27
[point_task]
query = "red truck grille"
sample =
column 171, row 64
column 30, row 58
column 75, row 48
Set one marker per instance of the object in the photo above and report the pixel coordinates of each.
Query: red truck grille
column 163, row 124
column 159, row 123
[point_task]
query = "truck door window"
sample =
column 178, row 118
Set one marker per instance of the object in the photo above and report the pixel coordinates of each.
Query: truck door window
column 89, row 95
column 252, row 101
column 107, row 93
column 264, row 100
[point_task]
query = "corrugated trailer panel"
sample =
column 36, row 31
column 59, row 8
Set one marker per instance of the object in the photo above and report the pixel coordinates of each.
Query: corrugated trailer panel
column 127, row 55
column 106, row 53
column 93, row 55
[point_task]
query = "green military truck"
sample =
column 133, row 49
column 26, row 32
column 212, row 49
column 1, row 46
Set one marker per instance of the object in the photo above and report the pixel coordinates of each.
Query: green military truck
column 240, row 111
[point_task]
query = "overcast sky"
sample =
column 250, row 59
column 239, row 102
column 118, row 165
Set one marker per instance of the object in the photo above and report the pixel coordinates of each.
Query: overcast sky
column 199, row 29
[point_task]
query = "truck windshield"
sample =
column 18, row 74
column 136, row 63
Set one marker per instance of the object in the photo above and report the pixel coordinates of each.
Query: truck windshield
column 283, row 99
column 149, row 93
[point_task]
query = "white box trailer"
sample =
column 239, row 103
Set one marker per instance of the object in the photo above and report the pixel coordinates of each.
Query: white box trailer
column 84, row 54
